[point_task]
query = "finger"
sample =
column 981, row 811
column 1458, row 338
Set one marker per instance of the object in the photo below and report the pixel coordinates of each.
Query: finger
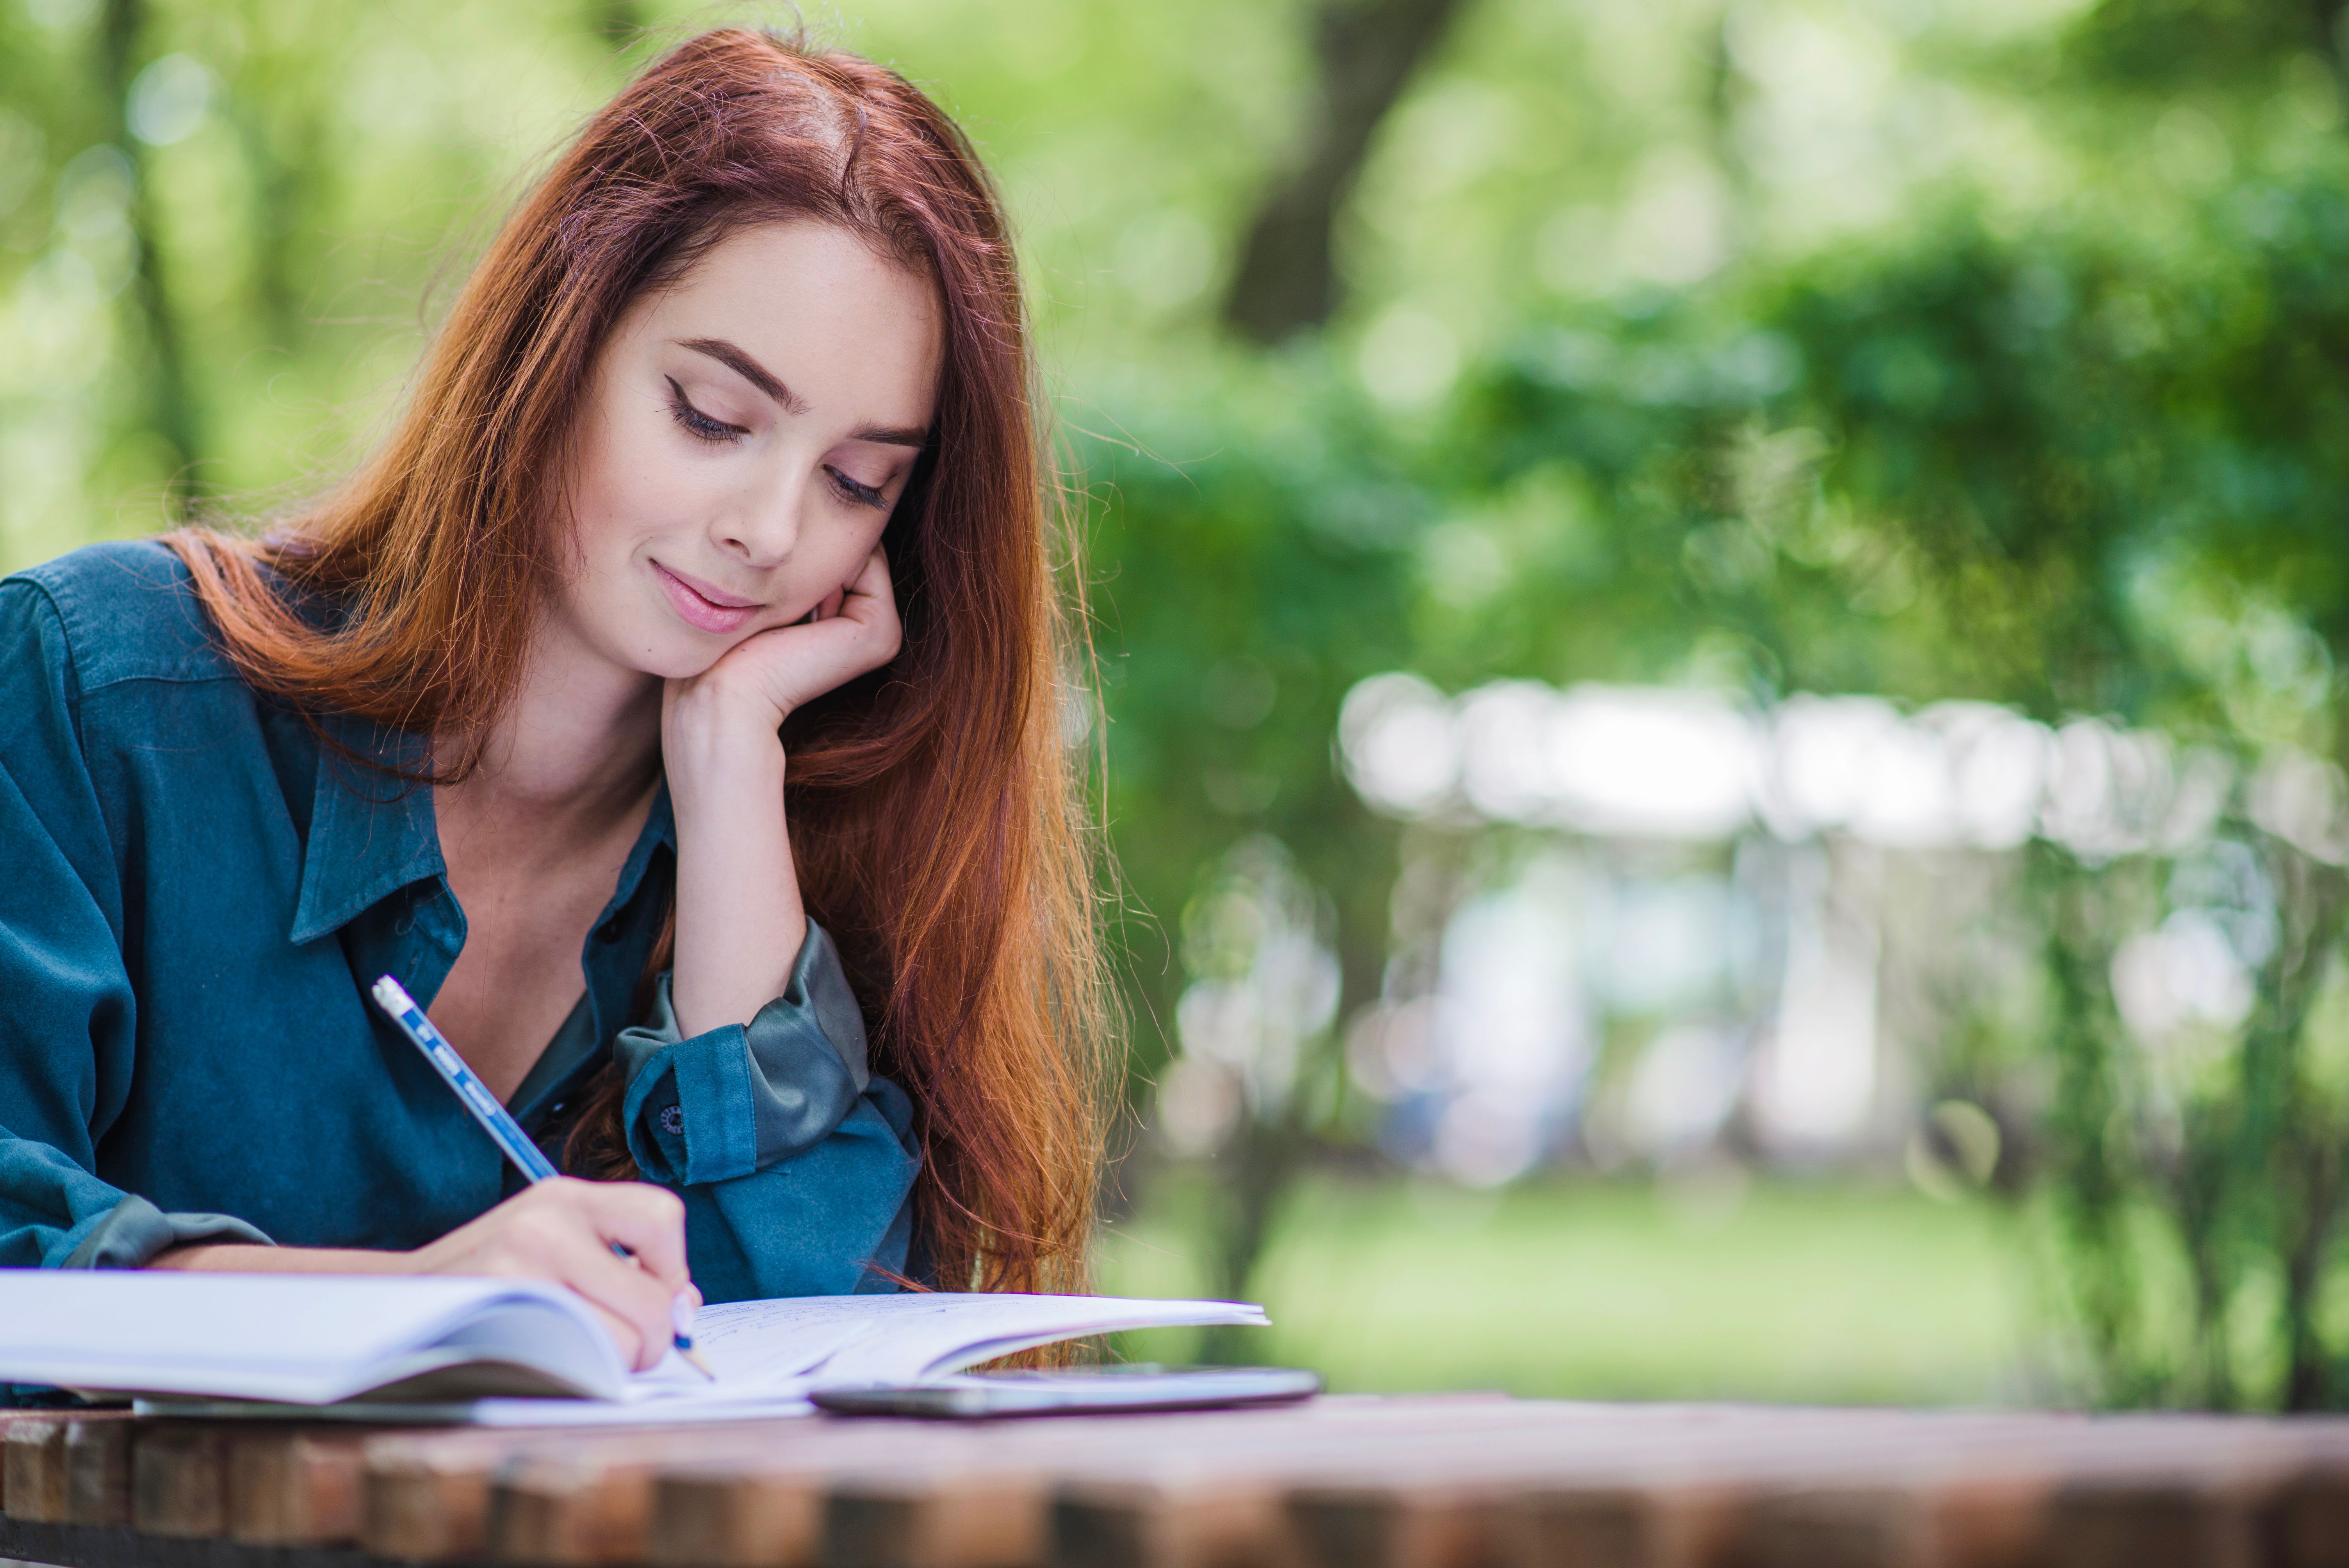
column 872, row 580
column 871, row 600
column 648, row 1221
column 623, row 1334
column 586, row 1263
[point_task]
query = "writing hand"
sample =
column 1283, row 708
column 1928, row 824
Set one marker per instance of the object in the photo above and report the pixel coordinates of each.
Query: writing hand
column 560, row 1230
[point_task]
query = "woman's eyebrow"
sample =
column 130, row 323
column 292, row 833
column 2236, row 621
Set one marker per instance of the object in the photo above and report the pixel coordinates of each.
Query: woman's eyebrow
column 732, row 356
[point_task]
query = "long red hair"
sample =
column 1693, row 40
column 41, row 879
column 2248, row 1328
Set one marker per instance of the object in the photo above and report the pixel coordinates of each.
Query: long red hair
column 934, row 813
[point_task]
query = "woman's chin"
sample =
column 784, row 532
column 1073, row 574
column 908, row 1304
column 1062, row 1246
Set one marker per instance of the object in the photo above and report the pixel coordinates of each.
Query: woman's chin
column 673, row 658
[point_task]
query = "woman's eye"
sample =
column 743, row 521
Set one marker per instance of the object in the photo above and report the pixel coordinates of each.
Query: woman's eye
column 862, row 495
column 695, row 421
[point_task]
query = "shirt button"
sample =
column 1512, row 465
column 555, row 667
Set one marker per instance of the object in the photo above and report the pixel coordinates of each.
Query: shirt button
column 672, row 1120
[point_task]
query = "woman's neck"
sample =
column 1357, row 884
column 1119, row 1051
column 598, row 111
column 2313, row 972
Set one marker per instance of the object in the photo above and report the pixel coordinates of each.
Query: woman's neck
column 534, row 841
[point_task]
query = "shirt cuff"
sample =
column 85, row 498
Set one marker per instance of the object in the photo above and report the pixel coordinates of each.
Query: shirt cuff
column 731, row 1101
column 135, row 1233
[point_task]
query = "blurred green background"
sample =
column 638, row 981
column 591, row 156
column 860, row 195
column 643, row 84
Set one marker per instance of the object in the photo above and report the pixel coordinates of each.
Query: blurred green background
column 1719, row 624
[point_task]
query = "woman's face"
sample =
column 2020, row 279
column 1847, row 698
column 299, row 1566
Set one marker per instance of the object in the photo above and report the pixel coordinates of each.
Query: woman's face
column 745, row 433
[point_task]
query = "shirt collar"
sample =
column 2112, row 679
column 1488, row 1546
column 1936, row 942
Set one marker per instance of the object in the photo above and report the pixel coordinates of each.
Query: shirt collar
column 371, row 832
column 659, row 831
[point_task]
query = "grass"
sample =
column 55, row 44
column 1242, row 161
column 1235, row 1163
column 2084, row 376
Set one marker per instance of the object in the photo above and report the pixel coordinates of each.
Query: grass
column 1589, row 1289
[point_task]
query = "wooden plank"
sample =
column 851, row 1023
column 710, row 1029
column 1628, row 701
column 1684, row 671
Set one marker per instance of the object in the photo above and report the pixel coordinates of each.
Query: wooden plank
column 1009, row 1499
column 29, row 1418
column 82, row 1546
column 432, row 1497
column 61, row 1469
column 965, row 1519
column 2309, row 1523
column 588, row 1501
column 179, row 1479
column 296, row 1487
column 1990, row 1521
column 1164, row 1521
column 771, row 1508
column 1373, row 1484
column 567, row 1509
column 98, row 1469
column 32, row 1458
column 1231, row 1502
column 2222, row 1508
column 713, row 1517
column 426, row 1497
column 1450, row 1505
column 2194, row 1489
column 1662, row 1492
column 764, row 1507
column 2150, row 1521
column 1618, row 1523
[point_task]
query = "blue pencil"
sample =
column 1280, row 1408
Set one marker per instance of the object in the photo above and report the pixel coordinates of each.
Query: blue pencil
column 504, row 1130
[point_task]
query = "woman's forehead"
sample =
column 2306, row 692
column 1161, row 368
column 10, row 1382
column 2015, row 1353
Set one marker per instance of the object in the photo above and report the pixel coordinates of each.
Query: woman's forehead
column 809, row 310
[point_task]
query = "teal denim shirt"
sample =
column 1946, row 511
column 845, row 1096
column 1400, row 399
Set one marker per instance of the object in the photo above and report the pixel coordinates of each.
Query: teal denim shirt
column 194, row 895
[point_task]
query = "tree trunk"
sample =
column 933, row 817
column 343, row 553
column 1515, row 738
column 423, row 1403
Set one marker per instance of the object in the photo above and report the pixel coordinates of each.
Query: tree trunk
column 1264, row 1157
column 1368, row 51
column 171, row 408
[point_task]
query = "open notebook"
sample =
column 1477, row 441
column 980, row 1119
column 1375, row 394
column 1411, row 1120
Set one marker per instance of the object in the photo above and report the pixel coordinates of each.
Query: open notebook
column 498, row 1351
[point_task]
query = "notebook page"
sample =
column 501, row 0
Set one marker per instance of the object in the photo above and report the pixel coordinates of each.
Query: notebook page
column 756, row 1344
column 781, row 1348
column 901, row 1337
column 967, row 1330
column 297, row 1337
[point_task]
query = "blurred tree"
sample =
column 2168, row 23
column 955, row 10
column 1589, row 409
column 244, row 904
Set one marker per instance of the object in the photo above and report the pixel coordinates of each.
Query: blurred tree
column 1367, row 51
column 172, row 410
column 1241, row 593
column 2165, row 44
column 2066, row 470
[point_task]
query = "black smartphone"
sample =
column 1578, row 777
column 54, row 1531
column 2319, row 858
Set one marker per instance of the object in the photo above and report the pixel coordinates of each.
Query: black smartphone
column 1075, row 1391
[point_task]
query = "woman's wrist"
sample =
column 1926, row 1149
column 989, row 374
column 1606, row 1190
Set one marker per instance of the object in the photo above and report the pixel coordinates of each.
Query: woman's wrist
column 740, row 922
column 711, row 736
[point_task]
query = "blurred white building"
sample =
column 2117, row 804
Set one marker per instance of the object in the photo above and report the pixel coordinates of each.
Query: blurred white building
column 1759, row 989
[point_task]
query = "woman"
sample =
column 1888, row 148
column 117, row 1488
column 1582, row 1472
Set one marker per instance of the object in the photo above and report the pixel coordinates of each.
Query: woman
column 670, row 705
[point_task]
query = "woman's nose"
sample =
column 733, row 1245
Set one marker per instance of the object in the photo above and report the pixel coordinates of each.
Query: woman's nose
column 765, row 529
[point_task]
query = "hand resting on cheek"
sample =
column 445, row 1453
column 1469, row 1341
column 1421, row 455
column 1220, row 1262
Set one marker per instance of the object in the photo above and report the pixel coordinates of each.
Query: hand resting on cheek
column 760, row 680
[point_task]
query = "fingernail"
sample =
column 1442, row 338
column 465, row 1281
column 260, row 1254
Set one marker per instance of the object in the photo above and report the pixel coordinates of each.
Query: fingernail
column 682, row 1309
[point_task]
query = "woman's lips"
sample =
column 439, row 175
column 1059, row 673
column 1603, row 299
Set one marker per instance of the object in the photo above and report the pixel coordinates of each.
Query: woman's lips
column 703, row 607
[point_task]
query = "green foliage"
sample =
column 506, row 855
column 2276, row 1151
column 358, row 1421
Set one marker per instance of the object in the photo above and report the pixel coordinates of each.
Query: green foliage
column 1246, row 557
column 2036, row 469
column 1701, row 1288
column 2074, row 470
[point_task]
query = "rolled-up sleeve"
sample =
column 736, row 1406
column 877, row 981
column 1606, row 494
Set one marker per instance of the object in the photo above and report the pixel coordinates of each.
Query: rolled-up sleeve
column 67, row 1028
column 796, row 1164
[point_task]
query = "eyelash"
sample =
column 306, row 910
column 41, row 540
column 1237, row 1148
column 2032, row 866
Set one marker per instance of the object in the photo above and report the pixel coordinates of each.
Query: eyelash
column 861, row 495
column 697, row 424
column 702, row 428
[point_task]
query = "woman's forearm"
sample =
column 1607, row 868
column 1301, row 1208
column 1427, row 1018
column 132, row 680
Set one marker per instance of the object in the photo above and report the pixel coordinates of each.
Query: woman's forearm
column 740, row 921
column 237, row 1257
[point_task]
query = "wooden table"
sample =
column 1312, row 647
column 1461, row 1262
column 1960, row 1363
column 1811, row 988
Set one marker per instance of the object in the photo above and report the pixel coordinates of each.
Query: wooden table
column 1453, row 1482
